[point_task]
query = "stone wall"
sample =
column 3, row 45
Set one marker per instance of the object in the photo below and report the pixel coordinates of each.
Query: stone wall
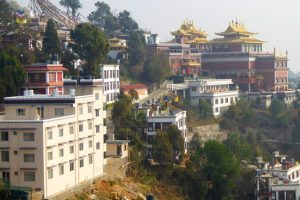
column 116, row 168
column 208, row 132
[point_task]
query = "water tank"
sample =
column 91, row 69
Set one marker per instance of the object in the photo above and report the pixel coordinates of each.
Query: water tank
column 30, row 92
column 72, row 92
column 25, row 93
column 55, row 92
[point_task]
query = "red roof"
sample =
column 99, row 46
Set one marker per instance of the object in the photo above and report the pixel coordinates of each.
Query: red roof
column 134, row 86
column 44, row 67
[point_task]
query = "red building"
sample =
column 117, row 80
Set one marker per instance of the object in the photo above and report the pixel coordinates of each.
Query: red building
column 43, row 78
column 238, row 55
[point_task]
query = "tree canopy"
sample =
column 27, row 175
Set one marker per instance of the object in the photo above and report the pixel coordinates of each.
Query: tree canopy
column 51, row 42
column 91, row 45
column 12, row 75
column 156, row 68
column 74, row 5
column 126, row 23
column 205, row 108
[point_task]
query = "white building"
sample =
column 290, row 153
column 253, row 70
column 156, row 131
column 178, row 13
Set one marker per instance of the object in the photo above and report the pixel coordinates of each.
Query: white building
column 110, row 75
column 159, row 120
column 54, row 142
column 279, row 179
column 216, row 91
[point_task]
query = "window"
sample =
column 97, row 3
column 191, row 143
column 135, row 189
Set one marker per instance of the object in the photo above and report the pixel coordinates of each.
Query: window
column 50, row 155
column 97, row 112
column 61, row 169
column 71, row 130
column 52, row 76
column 80, row 110
column 29, row 158
column 216, row 110
column 222, row 100
column 28, row 137
column 97, row 129
column 71, row 166
column 97, row 96
column 104, row 121
column 50, row 173
column 194, row 89
column 61, row 152
column 80, row 127
column 90, row 144
column 71, row 149
column 29, row 176
column 216, row 101
column 5, row 156
column 4, row 136
column 59, row 112
column 90, row 159
column 61, row 132
column 98, row 145
column 89, row 109
column 90, row 125
column 81, row 163
column 226, row 100
column 80, row 146
column 20, row 112
column 49, row 135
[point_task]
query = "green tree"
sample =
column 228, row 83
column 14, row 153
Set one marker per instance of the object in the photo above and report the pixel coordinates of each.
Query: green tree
column 205, row 108
column 156, row 69
column 121, row 111
column 133, row 94
column 91, row 45
column 6, row 13
column 177, row 141
column 104, row 19
column 68, row 60
column 162, row 148
column 126, row 23
column 136, row 49
column 279, row 112
column 220, row 171
column 239, row 146
column 12, row 75
column 51, row 42
column 74, row 5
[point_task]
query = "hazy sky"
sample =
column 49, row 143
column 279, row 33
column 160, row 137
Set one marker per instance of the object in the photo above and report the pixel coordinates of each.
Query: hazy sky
column 276, row 21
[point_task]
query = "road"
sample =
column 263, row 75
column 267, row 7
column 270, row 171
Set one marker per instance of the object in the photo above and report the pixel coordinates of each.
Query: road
column 279, row 141
column 156, row 93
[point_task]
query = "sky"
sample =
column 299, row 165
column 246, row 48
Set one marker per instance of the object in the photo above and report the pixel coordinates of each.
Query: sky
column 276, row 21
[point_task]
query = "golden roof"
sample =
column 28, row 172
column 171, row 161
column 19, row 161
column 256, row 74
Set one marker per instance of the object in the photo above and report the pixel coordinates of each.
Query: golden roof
column 236, row 40
column 114, row 39
column 236, row 28
column 197, row 41
column 188, row 28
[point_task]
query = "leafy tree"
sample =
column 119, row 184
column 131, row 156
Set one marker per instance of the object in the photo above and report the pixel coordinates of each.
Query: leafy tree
column 279, row 112
column 104, row 19
column 177, row 141
column 195, row 143
column 133, row 94
column 136, row 49
column 6, row 13
column 51, row 42
column 239, row 146
column 68, row 60
column 156, row 69
column 205, row 108
column 74, row 5
column 162, row 148
column 12, row 75
column 121, row 111
column 220, row 170
column 91, row 45
column 126, row 23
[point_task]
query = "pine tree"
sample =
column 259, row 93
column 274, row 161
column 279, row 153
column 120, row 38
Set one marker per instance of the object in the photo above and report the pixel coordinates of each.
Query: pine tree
column 51, row 42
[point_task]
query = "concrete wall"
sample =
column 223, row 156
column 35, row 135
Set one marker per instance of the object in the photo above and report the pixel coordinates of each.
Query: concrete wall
column 116, row 168
column 207, row 132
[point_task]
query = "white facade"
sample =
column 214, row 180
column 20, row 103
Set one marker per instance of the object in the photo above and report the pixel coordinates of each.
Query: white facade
column 52, row 143
column 161, row 120
column 216, row 91
column 110, row 75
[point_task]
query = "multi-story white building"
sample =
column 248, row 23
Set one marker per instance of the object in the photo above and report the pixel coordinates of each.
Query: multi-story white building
column 216, row 91
column 160, row 120
column 54, row 142
column 110, row 75
column 279, row 179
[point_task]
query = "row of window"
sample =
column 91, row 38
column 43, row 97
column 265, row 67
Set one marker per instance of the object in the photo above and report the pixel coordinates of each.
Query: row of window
column 111, row 85
column 27, row 157
column 61, row 168
column 71, row 130
column 27, row 137
column 222, row 100
column 111, row 74
column 71, row 149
